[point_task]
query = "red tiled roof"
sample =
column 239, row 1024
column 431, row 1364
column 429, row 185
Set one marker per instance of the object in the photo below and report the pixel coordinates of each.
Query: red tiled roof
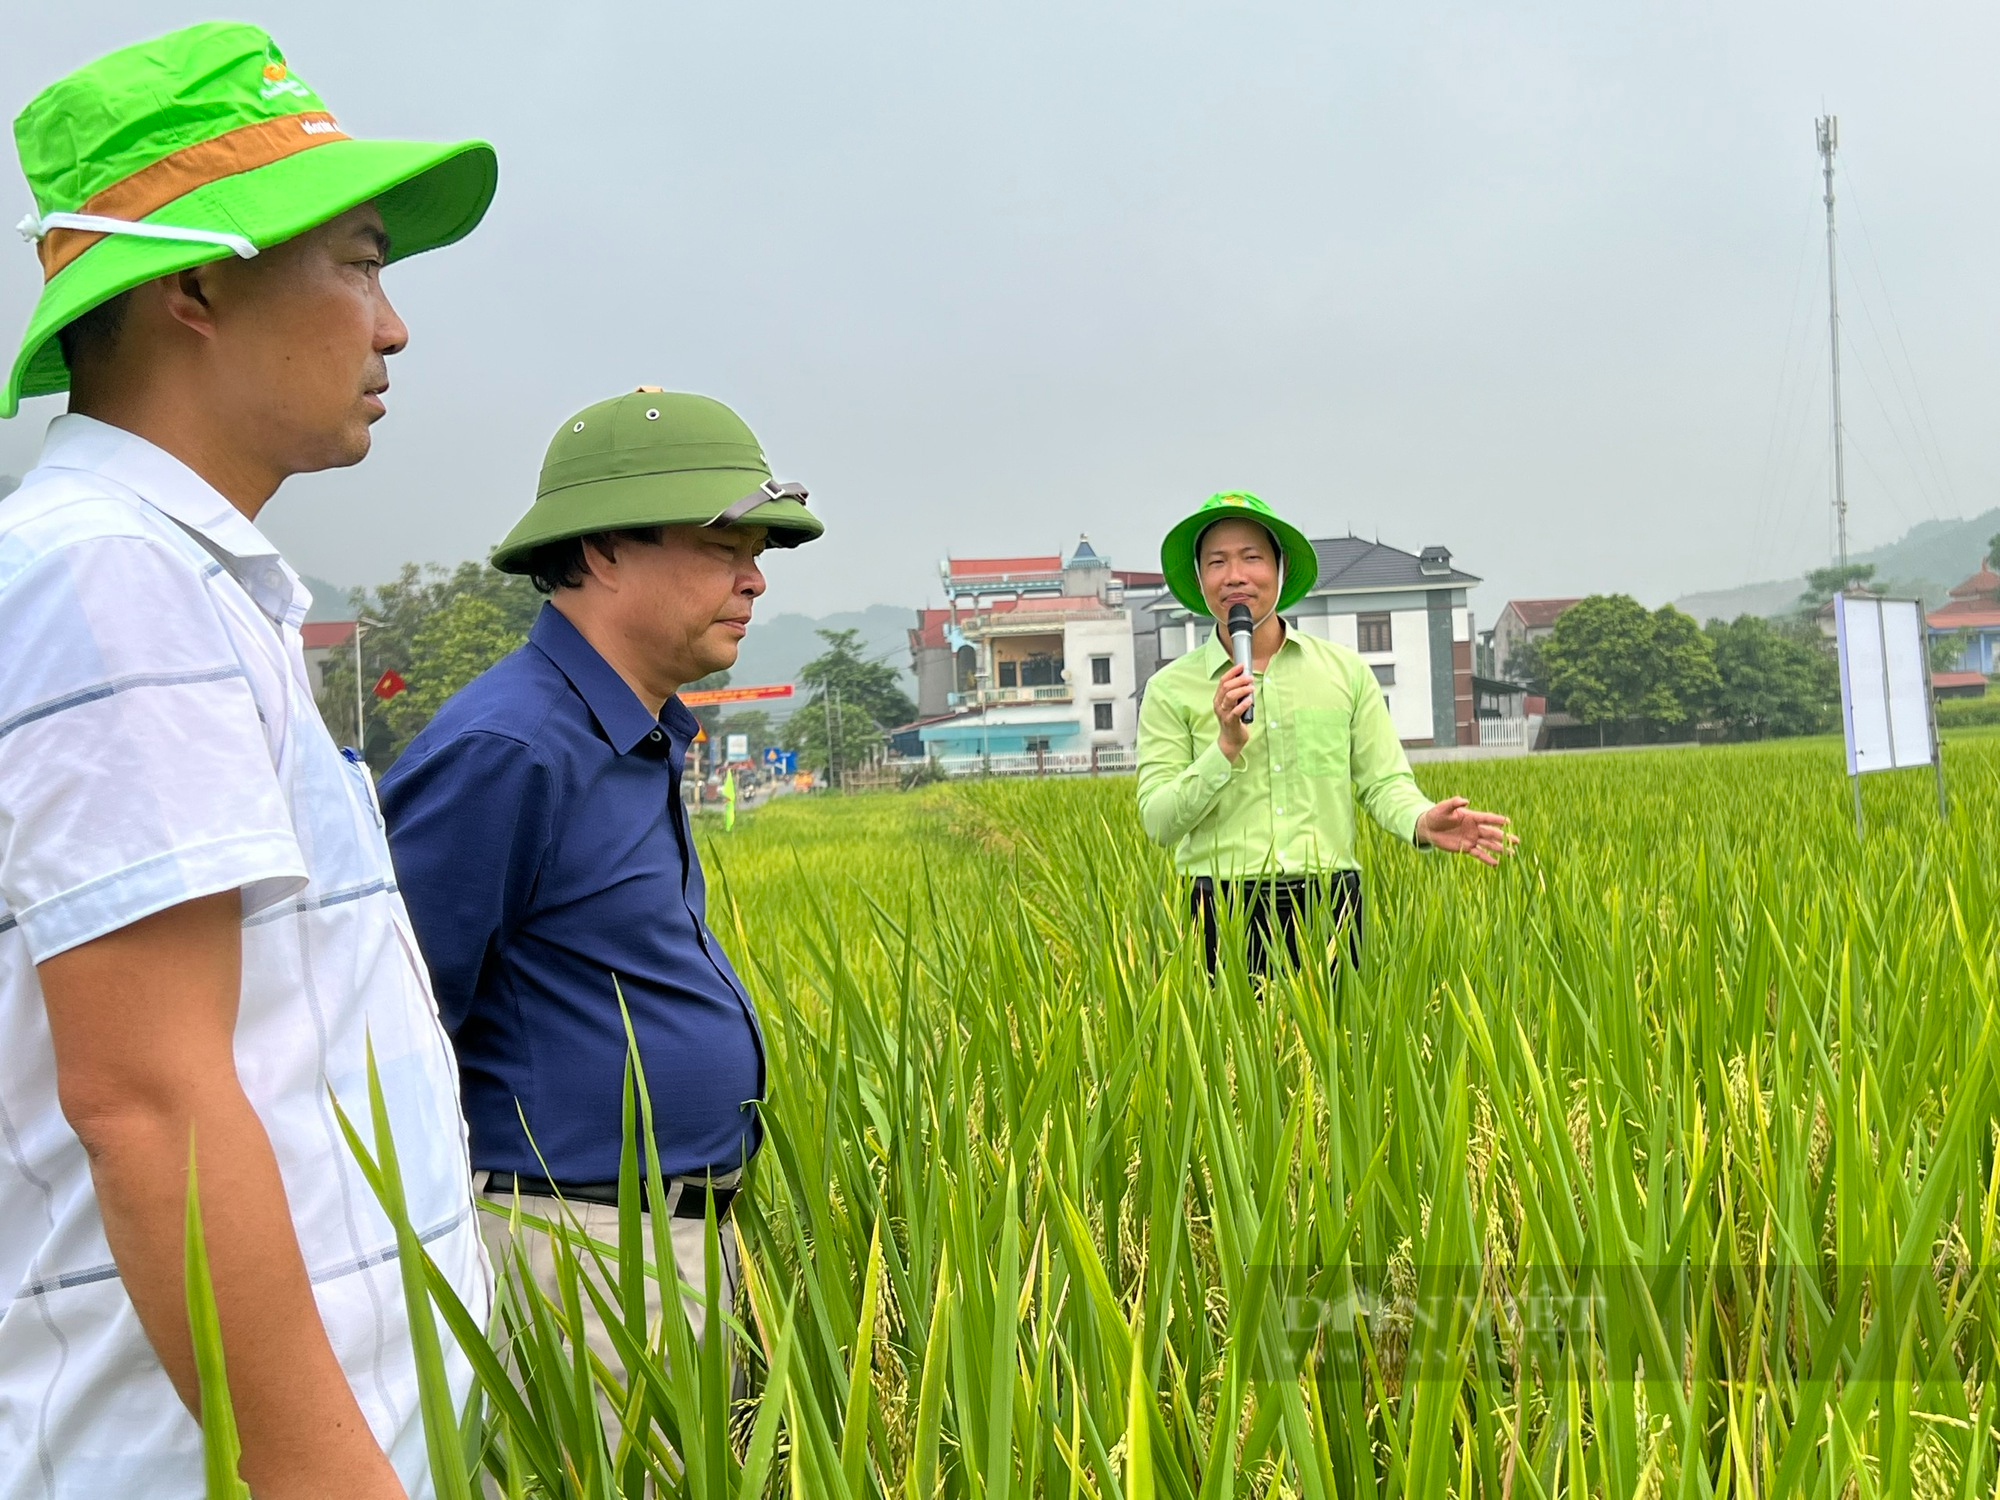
column 1004, row 567
column 1966, row 614
column 1535, row 613
column 930, row 627
column 322, row 635
column 1945, row 681
column 1985, row 584
column 1139, row 580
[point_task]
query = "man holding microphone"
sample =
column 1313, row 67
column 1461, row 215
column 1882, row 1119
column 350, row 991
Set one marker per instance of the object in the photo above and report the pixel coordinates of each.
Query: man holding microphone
column 1252, row 752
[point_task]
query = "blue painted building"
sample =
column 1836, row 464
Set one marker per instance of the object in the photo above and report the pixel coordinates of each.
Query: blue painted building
column 1973, row 616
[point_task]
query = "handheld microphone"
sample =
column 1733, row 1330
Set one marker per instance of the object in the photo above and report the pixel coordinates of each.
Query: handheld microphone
column 1240, row 631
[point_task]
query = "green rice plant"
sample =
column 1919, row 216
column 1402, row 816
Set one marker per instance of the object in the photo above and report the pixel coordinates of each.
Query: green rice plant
column 221, row 1449
column 1660, row 1162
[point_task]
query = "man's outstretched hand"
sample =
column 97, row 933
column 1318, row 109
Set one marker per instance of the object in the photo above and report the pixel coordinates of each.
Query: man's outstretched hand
column 1458, row 828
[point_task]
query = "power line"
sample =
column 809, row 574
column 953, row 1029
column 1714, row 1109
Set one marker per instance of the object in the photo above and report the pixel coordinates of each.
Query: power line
column 1941, row 470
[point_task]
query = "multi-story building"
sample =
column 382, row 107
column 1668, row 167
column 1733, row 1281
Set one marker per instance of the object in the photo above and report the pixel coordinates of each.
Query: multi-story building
column 1405, row 613
column 1519, row 623
column 323, row 639
column 1031, row 656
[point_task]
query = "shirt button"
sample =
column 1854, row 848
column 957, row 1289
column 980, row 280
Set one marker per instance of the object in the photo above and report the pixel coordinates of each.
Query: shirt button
column 656, row 736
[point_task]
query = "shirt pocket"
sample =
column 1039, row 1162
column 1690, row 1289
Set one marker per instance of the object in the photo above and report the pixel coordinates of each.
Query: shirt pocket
column 1322, row 741
column 361, row 786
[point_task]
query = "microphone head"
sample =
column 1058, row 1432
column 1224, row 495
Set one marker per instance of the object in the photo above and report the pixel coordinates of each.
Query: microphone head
column 1239, row 622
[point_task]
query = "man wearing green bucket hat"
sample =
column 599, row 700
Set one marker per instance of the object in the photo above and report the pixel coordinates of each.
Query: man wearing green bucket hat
column 1258, row 807
column 547, row 857
column 201, row 942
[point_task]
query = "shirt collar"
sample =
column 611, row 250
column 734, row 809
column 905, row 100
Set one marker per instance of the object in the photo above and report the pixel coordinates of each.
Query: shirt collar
column 1215, row 658
column 610, row 699
column 184, row 497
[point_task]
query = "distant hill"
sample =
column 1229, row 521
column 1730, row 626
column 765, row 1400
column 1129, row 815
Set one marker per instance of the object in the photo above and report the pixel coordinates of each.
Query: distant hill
column 329, row 601
column 1928, row 560
column 777, row 647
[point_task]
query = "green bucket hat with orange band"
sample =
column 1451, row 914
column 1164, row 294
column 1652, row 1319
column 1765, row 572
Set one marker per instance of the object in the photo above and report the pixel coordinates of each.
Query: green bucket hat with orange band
column 1177, row 552
column 198, row 145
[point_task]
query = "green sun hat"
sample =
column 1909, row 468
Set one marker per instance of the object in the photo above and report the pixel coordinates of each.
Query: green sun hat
column 656, row 458
column 1177, row 552
column 198, row 145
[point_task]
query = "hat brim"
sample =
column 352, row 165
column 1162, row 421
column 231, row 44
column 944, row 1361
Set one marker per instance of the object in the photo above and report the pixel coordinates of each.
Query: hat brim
column 429, row 195
column 1177, row 558
column 689, row 498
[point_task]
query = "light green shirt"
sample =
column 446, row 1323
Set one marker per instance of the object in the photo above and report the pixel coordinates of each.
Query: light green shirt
column 1321, row 738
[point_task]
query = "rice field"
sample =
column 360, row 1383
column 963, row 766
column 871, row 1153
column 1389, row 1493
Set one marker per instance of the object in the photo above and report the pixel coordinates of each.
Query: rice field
column 1659, row 1162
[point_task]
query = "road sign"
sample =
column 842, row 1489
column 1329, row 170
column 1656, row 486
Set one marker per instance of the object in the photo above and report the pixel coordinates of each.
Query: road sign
column 781, row 762
column 709, row 697
column 737, row 747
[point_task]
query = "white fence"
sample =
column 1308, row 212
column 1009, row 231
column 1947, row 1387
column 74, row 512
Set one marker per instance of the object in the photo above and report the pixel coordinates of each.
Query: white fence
column 1516, row 734
column 1110, row 760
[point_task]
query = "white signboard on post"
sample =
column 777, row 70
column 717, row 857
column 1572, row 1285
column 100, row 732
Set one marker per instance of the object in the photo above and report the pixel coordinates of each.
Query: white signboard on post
column 738, row 747
column 1885, row 687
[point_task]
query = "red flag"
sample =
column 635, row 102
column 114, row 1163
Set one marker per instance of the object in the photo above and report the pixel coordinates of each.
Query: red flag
column 389, row 684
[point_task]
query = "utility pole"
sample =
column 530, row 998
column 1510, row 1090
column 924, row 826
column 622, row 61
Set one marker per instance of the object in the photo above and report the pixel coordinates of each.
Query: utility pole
column 826, row 702
column 1828, row 128
column 360, row 739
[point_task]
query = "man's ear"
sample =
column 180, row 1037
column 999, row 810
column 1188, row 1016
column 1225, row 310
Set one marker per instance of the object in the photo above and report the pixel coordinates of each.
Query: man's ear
column 600, row 561
column 188, row 298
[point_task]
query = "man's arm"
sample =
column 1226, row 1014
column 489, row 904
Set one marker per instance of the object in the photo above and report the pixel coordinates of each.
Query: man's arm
column 1388, row 789
column 143, row 1023
column 1383, row 781
column 1178, row 783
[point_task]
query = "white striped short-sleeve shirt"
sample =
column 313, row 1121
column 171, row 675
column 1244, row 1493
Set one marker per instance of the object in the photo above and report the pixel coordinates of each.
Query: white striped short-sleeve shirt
column 159, row 742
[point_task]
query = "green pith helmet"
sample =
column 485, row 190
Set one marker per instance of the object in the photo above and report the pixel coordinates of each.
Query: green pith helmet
column 655, row 458
column 195, row 146
column 1177, row 552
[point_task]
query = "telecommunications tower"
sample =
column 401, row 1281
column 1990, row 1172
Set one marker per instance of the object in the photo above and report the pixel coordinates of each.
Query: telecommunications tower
column 1828, row 128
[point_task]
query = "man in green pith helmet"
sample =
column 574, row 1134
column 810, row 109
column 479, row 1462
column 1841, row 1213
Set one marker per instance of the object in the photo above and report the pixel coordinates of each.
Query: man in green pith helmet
column 547, row 857
column 1258, row 806
column 201, row 943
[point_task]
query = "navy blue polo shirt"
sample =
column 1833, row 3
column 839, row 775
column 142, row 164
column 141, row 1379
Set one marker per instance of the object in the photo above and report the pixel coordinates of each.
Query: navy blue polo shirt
column 545, row 857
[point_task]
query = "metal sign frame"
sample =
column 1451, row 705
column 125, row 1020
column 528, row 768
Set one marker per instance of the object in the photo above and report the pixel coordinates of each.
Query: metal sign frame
column 1855, row 771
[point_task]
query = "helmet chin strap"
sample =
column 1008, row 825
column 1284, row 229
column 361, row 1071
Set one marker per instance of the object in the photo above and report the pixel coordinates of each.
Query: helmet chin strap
column 1275, row 597
column 1222, row 625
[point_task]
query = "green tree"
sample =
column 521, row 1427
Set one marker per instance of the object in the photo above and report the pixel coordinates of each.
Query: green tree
column 833, row 736
column 840, row 726
column 1772, row 681
column 438, row 630
column 1525, row 665
column 1992, row 548
column 1823, row 583
column 1611, row 662
column 1948, row 649
column 1681, row 677
column 873, row 686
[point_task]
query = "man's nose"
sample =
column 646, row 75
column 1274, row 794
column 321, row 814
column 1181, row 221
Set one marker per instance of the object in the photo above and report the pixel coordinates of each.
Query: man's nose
column 392, row 335
column 753, row 581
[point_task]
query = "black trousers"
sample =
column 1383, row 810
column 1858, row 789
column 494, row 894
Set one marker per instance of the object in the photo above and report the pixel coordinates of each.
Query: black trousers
column 1325, row 906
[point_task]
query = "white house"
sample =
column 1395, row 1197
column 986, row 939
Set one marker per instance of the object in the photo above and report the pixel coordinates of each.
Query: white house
column 1033, row 656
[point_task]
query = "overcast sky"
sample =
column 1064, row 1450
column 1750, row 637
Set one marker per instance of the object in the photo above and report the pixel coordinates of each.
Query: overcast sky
column 1537, row 281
